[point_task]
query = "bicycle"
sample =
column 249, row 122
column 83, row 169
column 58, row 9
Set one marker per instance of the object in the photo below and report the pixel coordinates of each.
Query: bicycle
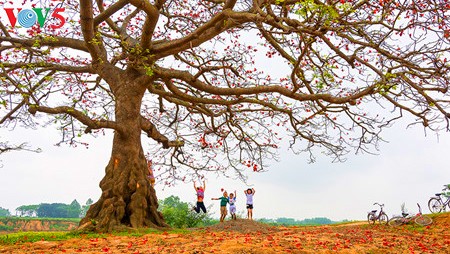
column 382, row 217
column 419, row 219
column 437, row 204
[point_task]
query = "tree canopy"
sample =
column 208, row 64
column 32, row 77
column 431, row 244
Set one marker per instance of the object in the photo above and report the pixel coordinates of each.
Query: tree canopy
column 59, row 210
column 4, row 212
column 55, row 210
column 27, row 210
column 226, row 81
column 85, row 207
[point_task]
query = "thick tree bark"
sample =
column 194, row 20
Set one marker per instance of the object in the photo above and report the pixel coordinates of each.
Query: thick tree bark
column 127, row 199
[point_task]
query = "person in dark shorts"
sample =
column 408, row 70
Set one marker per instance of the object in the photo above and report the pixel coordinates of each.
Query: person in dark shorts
column 249, row 194
column 200, row 196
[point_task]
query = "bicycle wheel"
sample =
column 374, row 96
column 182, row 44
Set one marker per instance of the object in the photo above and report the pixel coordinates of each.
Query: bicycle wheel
column 396, row 221
column 435, row 205
column 383, row 219
column 371, row 218
column 423, row 220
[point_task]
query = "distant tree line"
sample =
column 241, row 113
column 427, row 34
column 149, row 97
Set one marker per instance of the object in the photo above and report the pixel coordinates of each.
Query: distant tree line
column 294, row 222
column 177, row 214
column 54, row 210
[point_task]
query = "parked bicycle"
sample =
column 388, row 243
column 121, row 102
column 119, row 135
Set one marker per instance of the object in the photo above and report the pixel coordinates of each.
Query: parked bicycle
column 382, row 217
column 437, row 204
column 419, row 219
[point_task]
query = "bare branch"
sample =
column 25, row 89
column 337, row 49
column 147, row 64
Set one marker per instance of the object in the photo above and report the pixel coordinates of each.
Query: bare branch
column 5, row 147
column 153, row 133
column 90, row 123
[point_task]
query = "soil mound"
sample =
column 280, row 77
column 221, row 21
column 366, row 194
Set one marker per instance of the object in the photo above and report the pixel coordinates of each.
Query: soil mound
column 242, row 226
column 442, row 219
column 17, row 224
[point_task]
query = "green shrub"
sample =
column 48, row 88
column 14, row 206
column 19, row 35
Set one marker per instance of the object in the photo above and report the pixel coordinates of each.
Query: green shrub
column 179, row 214
column 6, row 228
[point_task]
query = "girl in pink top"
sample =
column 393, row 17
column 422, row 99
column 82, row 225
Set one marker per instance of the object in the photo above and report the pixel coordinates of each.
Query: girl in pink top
column 200, row 196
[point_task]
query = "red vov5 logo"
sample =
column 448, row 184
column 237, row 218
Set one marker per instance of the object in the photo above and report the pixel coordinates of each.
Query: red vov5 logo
column 29, row 17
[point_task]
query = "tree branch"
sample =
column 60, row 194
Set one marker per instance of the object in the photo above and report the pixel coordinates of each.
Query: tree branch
column 84, row 119
column 150, row 21
column 153, row 133
column 55, row 41
column 93, row 42
column 189, row 78
column 5, row 147
column 203, row 33
column 45, row 66
column 106, row 14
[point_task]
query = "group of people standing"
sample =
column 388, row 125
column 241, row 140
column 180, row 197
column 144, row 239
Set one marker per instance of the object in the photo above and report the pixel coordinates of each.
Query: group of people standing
column 224, row 201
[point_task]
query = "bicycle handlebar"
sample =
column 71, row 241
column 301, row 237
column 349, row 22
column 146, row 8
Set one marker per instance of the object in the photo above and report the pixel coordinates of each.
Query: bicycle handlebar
column 420, row 209
column 376, row 203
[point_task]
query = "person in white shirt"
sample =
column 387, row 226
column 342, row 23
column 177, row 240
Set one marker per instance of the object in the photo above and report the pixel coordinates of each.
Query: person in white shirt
column 249, row 193
column 232, row 202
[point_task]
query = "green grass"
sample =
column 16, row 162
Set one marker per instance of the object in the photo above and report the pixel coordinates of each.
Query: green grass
column 24, row 237
column 21, row 237
column 347, row 222
column 6, row 228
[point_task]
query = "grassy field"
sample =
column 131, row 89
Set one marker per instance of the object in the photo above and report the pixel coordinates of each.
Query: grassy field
column 244, row 236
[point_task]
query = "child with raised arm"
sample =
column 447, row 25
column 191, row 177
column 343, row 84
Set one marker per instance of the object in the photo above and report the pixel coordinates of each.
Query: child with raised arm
column 232, row 202
column 249, row 194
column 200, row 195
column 223, row 205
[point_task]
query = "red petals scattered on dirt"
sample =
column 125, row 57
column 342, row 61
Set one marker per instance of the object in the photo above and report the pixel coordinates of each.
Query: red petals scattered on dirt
column 243, row 236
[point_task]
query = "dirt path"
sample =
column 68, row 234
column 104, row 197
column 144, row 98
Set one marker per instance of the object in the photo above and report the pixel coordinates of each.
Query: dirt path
column 249, row 237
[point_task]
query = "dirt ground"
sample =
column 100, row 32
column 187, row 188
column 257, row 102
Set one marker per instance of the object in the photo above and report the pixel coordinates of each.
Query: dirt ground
column 245, row 237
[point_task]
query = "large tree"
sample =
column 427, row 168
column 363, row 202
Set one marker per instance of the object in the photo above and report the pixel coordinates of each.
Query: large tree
column 217, row 85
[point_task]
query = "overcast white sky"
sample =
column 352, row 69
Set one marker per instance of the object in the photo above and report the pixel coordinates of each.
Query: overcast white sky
column 410, row 168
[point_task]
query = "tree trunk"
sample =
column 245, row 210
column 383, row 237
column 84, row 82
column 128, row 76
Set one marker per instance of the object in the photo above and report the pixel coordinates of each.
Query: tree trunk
column 127, row 199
